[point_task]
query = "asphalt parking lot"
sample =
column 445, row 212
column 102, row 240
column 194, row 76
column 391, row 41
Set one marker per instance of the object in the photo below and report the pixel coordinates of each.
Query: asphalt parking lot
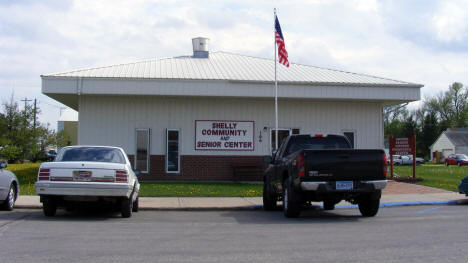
column 397, row 234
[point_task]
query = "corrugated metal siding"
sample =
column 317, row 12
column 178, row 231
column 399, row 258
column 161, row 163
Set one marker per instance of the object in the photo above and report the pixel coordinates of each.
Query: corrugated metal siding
column 113, row 120
column 227, row 66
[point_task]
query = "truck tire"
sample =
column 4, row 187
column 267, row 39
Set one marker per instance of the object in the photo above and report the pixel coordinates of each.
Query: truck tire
column 126, row 208
column 369, row 206
column 49, row 206
column 269, row 196
column 291, row 208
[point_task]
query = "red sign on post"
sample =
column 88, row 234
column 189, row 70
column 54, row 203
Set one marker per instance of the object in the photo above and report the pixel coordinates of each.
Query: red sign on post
column 403, row 146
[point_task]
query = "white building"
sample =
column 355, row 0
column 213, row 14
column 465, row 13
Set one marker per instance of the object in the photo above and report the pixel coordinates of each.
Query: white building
column 198, row 117
column 449, row 142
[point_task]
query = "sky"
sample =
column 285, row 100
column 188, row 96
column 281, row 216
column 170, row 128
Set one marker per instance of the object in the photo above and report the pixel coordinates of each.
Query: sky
column 418, row 41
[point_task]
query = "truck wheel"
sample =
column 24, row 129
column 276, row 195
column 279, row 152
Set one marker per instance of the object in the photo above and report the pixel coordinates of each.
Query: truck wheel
column 126, row 207
column 49, row 206
column 369, row 207
column 328, row 204
column 269, row 197
column 291, row 208
column 135, row 205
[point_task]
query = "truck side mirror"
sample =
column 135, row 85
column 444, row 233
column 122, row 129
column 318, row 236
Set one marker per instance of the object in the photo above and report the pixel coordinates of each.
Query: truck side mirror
column 267, row 159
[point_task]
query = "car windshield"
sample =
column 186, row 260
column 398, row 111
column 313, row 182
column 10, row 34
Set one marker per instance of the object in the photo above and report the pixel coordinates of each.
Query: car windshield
column 462, row 157
column 90, row 154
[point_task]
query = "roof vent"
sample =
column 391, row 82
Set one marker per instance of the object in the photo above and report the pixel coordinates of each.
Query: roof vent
column 200, row 47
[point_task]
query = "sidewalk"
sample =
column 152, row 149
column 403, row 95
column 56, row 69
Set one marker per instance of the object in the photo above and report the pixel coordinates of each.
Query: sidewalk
column 395, row 194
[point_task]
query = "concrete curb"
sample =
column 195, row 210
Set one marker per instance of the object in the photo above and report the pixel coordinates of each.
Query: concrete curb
column 260, row 207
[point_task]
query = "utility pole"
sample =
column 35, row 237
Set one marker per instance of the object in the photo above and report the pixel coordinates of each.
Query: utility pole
column 25, row 104
column 35, row 111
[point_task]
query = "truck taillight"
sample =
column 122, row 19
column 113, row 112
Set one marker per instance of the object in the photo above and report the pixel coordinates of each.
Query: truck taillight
column 385, row 164
column 121, row 176
column 44, row 174
column 318, row 135
column 301, row 165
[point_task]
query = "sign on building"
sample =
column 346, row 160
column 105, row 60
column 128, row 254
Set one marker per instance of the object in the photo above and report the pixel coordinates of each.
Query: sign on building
column 224, row 135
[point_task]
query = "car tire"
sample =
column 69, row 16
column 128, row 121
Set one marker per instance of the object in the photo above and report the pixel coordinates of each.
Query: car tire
column 269, row 197
column 291, row 208
column 135, row 205
column 446, row 164
column 328, row 205
column 369, row 206
column 126, row 207
column 9, row 202
column 49, row 206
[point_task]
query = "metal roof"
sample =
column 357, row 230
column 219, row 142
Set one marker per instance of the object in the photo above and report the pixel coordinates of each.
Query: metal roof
column 230, row 67
column 457, row 137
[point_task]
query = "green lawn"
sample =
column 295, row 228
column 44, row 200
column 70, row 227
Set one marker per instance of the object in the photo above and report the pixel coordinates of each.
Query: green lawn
column 435, row 175
column 26, row 174
column 200, row 189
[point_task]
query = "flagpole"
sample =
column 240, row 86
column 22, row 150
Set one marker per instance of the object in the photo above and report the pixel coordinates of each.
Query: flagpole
column 276, row 87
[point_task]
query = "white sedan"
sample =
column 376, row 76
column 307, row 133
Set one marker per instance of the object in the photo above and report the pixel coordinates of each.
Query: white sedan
column 9, row 188
column 83, row 174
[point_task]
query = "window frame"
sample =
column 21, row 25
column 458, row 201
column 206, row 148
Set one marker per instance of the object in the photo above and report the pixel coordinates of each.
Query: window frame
column 167, row 151
column 148, row 155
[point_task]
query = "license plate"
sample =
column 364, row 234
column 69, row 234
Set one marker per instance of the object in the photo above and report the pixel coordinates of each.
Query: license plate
column 82, row 176
column 344, row 185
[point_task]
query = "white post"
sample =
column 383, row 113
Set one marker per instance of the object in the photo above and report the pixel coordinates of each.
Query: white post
column 276, row 89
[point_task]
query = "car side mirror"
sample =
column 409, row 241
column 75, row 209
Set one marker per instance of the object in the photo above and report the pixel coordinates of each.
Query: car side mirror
column 3, row 165
column 137, row 172
column 267, row 159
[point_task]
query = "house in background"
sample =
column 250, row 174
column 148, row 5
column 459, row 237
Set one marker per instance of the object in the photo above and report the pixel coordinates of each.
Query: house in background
column 68, row 122
column 450, row 141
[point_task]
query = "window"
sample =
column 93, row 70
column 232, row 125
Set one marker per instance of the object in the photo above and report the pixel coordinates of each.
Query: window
column 282, row 134
column 142, row 150
column 350, row 136
column 172, row 151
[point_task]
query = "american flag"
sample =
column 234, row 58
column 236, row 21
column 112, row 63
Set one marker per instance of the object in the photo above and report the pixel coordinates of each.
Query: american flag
column 282, row 53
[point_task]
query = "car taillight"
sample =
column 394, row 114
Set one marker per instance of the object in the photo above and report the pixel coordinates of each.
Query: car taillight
column 44, row 174
column 385, row 163
column 301, row 165
column 121, row 176
column 318, row 135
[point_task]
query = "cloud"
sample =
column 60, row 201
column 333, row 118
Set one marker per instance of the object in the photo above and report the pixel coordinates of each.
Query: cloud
column 416, row 41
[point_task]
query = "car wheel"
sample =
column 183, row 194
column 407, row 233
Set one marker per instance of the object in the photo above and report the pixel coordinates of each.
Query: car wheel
column 446, row 164
column 49, row 206
column 126, row 207
column 269, row 197
column 328, row 205
column 369, row 206
column 135, row 205
column 291, row 208
column 9, row 203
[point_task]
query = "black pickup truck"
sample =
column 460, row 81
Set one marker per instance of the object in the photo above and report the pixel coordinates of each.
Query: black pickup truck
column 310, row 168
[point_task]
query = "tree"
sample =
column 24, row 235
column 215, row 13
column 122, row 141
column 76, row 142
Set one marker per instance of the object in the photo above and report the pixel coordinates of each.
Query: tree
column 22, row 137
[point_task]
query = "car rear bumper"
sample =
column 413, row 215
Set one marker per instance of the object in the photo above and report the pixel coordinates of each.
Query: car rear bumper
column 360, row 186
column 84, row 189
